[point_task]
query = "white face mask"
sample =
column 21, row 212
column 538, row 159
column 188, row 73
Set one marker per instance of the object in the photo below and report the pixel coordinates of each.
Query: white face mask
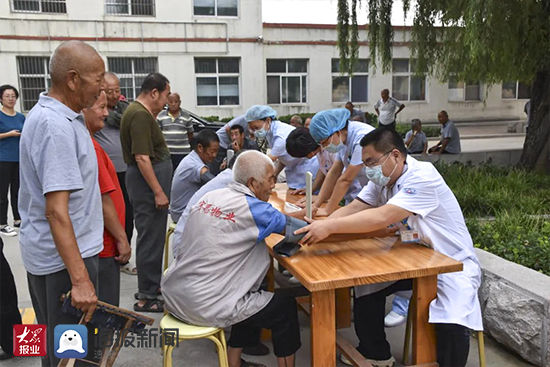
column 261, row 133
column 376, row 175
column 334, row 148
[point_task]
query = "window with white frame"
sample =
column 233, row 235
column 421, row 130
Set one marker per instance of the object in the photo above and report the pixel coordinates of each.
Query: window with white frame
column 406, row 86
column 464, row 90
column 222, row 8
column 516, row 90
column 34, row 78
column 132, row 71
column 130, row 7
column 350, row 88
column 217, row 81
column 40, row 6
column 286, row 81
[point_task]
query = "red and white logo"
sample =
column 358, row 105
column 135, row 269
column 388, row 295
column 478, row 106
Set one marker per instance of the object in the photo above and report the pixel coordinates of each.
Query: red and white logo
column 29, row 340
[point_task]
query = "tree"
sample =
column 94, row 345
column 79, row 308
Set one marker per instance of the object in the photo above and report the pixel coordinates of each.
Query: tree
column 490, row 41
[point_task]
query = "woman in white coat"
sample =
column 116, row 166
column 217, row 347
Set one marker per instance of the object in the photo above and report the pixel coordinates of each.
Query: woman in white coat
column 404, row 190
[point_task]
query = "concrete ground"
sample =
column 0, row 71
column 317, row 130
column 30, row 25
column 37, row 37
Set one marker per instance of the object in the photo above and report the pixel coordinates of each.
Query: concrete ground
column 201, row 353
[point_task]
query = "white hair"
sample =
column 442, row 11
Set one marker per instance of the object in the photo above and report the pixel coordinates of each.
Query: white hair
column 251, row 164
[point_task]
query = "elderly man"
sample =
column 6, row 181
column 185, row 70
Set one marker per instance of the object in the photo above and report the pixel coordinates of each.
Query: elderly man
column 296, row 121
column 405, row 192
column 58, row 170
column 262, row 120
column 387, row 109
column 193, row 171
column 177, row 128
column 239, row 141
column 148, row 180
column 450, row 138
column 355, row 114
column 335, row 134
column 215, row 280
column 109, row 139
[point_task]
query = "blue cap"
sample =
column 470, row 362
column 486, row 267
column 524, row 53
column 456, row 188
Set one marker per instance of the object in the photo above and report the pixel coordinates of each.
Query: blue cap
column 326, row 123
column 259, row 112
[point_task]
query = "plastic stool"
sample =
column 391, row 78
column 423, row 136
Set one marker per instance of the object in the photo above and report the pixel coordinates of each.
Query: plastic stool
column 188, row 332
column 171, row 229
column 408, row 331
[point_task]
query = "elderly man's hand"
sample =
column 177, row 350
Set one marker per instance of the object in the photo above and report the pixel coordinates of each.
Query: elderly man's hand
column 83, row 297
column 316, row 231
column 124, row 251
column 161, row 200
column 297, row 192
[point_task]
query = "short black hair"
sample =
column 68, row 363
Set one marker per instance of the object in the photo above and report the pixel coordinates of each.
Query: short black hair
column 204, row 138
column 6, row 87
column 154, row 81
column 300, row 143
column 237, row 127
column 384, row 140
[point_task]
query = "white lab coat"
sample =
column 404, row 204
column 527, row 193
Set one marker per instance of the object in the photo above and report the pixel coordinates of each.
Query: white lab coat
column 440, row 223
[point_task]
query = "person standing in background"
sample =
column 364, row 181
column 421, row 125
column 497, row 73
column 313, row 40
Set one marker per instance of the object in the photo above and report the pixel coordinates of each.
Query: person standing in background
column 11, row 124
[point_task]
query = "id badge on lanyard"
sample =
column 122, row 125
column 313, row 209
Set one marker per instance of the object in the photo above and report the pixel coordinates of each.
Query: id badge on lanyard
column 408, row 235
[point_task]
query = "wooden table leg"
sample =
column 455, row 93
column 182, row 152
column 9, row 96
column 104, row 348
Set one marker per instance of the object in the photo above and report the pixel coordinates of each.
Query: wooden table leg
column 323, row 329
column 343, row 308
column 423, row 343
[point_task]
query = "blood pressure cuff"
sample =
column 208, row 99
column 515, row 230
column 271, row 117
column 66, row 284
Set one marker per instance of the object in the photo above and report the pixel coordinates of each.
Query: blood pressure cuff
column 288, row 246
column 206, row 176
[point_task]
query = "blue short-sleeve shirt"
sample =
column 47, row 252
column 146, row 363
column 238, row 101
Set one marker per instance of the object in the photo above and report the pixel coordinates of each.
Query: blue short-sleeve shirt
column 57, row 154
column 186, row 182
column 9, row 147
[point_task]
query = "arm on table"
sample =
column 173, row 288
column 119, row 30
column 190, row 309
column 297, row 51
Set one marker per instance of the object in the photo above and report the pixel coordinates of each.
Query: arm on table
column 112, row 224
column 328, row 185
column 340, row 189
column 83, row 294
column 146, row 168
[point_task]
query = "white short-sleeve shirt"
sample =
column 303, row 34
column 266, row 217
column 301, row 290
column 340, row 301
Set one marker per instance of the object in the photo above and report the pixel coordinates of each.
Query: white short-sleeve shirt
column 387, row 110
column 439, row 221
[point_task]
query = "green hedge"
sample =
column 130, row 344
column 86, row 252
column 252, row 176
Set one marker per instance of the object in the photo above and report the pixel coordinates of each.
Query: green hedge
column 518, row 200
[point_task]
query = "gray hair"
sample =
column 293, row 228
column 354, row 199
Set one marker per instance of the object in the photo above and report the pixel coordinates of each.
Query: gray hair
column 296, row 119
column 249, row 164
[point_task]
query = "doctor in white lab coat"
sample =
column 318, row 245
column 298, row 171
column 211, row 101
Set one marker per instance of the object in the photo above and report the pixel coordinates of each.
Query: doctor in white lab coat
column 404, row 190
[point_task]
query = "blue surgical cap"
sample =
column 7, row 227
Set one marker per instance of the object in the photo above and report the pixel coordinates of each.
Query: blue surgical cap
column 326, row 123
column 259, row 112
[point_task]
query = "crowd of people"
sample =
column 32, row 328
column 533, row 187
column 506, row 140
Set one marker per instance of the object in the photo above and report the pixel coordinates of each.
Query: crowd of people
column 93, row 165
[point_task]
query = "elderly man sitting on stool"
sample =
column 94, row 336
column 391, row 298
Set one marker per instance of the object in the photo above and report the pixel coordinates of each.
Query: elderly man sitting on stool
column 216, row 276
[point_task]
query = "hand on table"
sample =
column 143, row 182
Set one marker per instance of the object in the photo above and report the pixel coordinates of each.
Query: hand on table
column 321, row 212
column 298, row 192
column 316, row 231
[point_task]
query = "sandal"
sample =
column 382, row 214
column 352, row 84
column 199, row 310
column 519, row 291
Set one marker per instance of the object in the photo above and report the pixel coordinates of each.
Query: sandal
column 150, row 305
column 128, row 269
column 251, row 364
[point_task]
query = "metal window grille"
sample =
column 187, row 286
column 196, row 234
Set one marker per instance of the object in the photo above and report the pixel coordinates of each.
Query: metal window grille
column 131, row 72
column 217, row 81
column 405, row 85
column 130, row 7
column 34, row 78
column 39, row 6
column 286, row 81
column 227, row 8
column 347, row 87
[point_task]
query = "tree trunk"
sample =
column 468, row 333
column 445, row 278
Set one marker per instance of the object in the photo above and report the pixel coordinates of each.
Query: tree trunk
column 538, row 133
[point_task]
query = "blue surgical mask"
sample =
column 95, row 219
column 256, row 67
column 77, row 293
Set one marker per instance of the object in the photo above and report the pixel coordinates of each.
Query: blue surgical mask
column 260, row 134
column 334, row 148
column 376, row 175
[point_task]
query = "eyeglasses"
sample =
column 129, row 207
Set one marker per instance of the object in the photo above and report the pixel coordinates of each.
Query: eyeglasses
column 371, row 163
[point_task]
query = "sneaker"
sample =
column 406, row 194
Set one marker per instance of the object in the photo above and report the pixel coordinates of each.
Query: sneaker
column 17, row 223
column 390, row 362
column 394, row 319
column 8, row 231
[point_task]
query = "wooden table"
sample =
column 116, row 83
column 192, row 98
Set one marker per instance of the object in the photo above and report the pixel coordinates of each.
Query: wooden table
column 347, row 261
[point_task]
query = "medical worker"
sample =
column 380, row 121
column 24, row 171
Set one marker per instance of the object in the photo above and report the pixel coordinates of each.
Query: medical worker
column 402, row 189
column 261, row 120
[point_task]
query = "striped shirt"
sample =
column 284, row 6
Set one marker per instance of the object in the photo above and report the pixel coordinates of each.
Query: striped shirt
column 175, row 131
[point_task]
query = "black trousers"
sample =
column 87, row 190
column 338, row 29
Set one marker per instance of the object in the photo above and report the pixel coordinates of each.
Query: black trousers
column 46, row 291
column 9, row 180
column 281, row 316
column 9, row 312
column 129, row 219
column 388, row 126
column 453, row 341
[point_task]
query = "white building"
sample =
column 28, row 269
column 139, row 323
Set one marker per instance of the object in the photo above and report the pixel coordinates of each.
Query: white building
column 221, row 59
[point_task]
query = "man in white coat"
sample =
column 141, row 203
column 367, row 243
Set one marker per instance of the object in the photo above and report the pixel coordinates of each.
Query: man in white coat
column 402, row 189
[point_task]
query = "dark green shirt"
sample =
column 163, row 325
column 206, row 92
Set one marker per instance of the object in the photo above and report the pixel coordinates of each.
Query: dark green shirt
column 141, row 134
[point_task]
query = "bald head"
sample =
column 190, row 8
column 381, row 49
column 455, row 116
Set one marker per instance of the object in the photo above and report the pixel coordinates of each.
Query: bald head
column 255, row 170
column 77, row 72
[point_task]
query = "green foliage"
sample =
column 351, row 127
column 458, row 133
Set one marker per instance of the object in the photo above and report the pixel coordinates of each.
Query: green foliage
column 490, row 41
column 516, row 237
column 211, row 118
column 487, row 190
